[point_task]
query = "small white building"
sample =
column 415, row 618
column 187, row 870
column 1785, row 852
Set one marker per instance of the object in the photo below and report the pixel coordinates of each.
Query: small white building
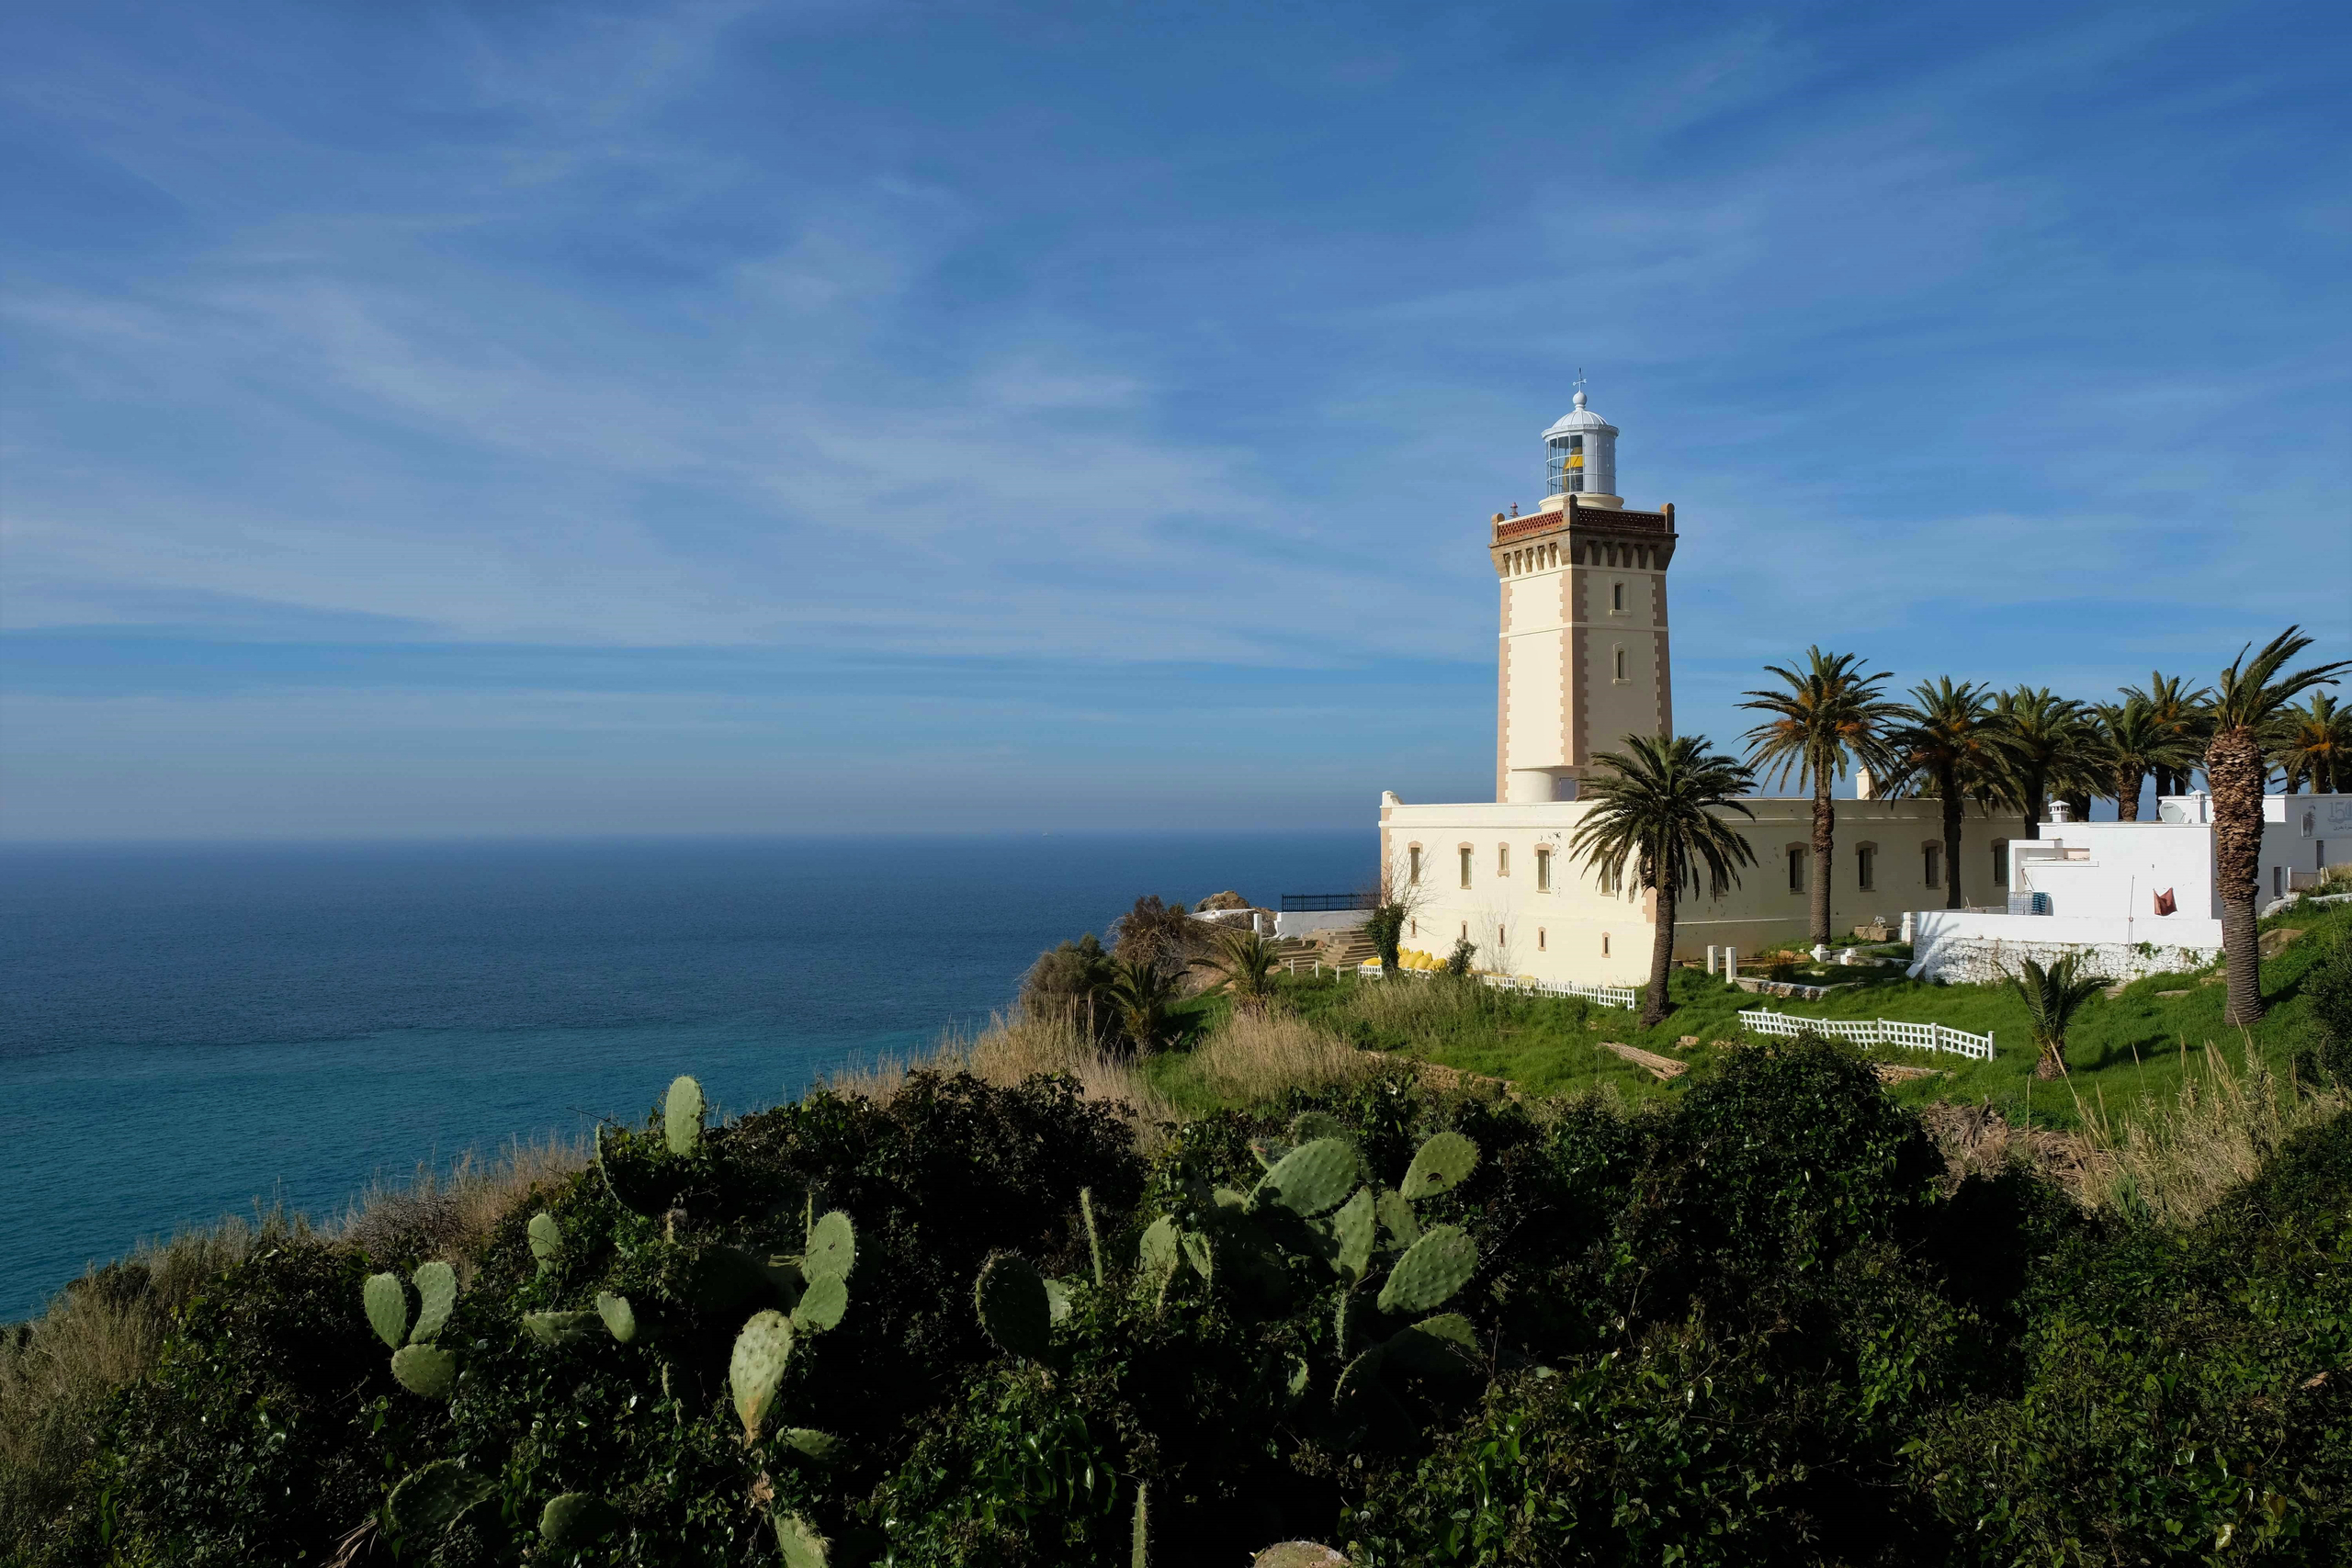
column 2132, row 898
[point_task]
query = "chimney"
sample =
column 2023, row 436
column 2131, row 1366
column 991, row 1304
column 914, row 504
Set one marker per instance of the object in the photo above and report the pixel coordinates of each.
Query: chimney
column 1865, row 786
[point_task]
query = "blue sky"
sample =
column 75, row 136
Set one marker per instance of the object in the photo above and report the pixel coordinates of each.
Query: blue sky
column 429, row 421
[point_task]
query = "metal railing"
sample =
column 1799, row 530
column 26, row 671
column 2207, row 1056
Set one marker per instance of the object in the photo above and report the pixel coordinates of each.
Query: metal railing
column 1873, row 1032
column 1328, row 903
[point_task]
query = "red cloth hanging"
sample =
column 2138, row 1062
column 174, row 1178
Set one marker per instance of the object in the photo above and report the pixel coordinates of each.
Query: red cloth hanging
column 2164, row 902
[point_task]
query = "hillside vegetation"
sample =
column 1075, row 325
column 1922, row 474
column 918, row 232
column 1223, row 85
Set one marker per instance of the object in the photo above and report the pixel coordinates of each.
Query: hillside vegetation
column 954, row 1321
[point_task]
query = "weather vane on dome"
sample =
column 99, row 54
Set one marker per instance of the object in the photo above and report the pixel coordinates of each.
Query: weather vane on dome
column 1579, row 380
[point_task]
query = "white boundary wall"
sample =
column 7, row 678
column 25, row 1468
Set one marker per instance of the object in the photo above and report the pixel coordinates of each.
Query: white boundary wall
column 1955, row 944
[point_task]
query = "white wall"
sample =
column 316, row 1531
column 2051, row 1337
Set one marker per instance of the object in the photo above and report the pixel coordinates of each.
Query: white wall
column 1958, row 945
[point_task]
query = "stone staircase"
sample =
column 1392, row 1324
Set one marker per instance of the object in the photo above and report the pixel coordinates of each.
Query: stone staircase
column 1333, row 949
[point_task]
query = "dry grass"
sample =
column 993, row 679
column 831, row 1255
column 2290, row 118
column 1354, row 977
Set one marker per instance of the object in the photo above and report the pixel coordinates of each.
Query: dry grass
column 1977, row 1140
column 99, row 1333
column 1015, row 1047
column 451, row 1214
column 2179, row 1158
column 1261, row 1053
column 1437, row 1007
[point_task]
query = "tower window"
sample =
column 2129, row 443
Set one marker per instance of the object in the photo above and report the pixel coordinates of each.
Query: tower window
column 1797, row 856
column 1542, row 870
column 1617, row 597
column 1621, row 664
column 1604, row 944
column 1932, row 857
column 1413, row 865
column 1538, row 939
column 1502, row 860
column 1466, row 866
column 1866, row 867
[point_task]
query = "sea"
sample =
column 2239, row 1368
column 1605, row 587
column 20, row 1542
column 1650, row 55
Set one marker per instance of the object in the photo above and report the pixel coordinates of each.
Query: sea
column 188, row 1034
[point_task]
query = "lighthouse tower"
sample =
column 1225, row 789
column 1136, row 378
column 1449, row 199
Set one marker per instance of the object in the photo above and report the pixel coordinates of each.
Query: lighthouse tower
column 1583, row 658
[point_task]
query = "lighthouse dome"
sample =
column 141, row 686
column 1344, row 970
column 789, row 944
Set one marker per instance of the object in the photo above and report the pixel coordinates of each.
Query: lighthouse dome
column 1580, row 460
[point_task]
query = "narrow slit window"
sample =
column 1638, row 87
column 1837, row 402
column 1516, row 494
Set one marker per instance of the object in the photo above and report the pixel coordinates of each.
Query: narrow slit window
column 1797, row 871
column 1621, row 664
column 2000, row 862
column 1466, row 866
column 1865, row 871
column 1538, row 939
column 1604, row 944
column 1617, row 597
column 1542, row 870
column 1413, row 865
column 1502, row 860
column 1932, row 858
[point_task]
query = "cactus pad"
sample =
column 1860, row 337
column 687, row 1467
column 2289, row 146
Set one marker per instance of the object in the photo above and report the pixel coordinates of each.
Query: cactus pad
column 1357, row 1380
column 437, row 1293
column 1430, row 1271
column 809, row 1441
column 1058, row 1300
column 629, row 1324
column 1309, row 1125
column 1013, row 1307
column 832, row 1247
column 387, row 1303
column 1295, row 1384
column 1347, row 1323
column 1313, row 1178
column 1397, row 1221
column 822, row 1304
column 561, row 1327
column 1160, row 1253
column 1355, row 1227
column 574, row 1519
column 682, row 1113
column 1435, row 1347
column 547, row 1240
column 756, row 1370
column 1443, row 1164
column 428, row 1500
column 801, row 1545
column 425, row 1370
column 1201, row 1253
column 1299, row 1554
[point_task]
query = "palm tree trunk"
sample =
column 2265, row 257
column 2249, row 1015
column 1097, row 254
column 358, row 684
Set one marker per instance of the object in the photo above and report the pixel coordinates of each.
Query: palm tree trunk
column 1948, row 783
column 2235, row 770
column 1824, row 836
column 2127, row 793
column 1656, row 1005
column 2037, row 807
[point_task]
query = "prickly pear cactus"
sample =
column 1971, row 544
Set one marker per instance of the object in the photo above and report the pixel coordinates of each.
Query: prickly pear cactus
column 1355, row 1227
column 1094, row 1236
column 832, row 1248
column 425, row 1370
column 1309, row 1125
column 1430, row 1271
column 574, row 1519
column 1014, row 1306
column 1347, row 1323
column 561, row 1327
column 1162, row 1251
column 1399, row 1228
column 1441, row 1165
column 682, row 1113
column 429, row 1499
column 1299, row 1554
column 387, row 1302
column 627, row 1322
column 1441, row 1347
column 436, row 1294
column 802, row 1546
column 1312, row 1178
column 1201, row 1253
column 547, row 1240
column 1357, row 1382
column 822, row 1304
column 809, row 1441
column 756, row 1370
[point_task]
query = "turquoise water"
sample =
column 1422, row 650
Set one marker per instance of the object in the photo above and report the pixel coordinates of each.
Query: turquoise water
column 185, row 1033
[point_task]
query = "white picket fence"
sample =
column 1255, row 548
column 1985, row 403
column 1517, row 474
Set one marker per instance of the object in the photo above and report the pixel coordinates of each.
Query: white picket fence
column 1873, row 1032
column 1607, row 995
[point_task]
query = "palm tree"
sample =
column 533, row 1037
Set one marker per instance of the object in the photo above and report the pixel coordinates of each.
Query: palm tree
column 2179, row 714
column 1144, row 997
column 2247, row 701
column 1656, row 807
column 1245, row 960
column 1946, row 745
column 2131, row 745
column 2314, row 743
column 2041, row 747
column 2052, row 997
column 1831, row 715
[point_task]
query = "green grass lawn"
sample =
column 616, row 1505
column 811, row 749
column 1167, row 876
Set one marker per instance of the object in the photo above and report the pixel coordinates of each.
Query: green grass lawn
column 2135, row 1044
